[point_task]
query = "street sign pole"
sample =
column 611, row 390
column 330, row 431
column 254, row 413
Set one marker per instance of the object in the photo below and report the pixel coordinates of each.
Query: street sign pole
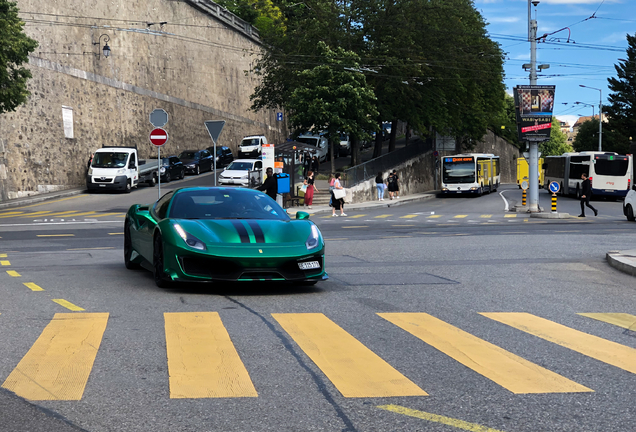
column 159, row 172
column 158, row 137
column 214, row 127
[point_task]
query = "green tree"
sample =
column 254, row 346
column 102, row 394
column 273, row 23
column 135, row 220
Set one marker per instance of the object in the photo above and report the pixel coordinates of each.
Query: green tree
column 621, row 111
column 504, row 122
column 587, row 138
column 335, row 98
column 558, row 143
column 14, row 50
column 262, row 14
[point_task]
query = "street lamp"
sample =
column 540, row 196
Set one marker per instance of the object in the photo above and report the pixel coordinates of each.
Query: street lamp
column 587, row 104
column 106, row 49
column 600, row 115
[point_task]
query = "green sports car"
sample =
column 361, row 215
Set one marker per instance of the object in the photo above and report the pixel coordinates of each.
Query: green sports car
column 222, row 234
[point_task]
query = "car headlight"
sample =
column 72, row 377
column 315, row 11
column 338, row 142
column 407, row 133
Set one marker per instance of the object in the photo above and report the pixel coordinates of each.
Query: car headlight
column 313, row 241
column 162, row 170
column 90, row 171
column 190, row 165
column 121, row 171
column 189, row 239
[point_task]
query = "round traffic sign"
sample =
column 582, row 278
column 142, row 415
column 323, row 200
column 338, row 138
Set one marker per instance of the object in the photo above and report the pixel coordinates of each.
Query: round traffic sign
column 158, row 137
column 524, row 185
column 554, row 187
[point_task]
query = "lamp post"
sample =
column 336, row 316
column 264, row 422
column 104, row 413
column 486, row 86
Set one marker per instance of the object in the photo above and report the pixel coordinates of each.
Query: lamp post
column 106, row 49
column 587, row 104
column 600, row 115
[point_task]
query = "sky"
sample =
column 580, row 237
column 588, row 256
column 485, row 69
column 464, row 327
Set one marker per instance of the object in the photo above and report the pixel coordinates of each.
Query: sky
column 583, row 53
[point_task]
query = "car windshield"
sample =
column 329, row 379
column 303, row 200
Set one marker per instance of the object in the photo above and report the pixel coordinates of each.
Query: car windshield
column 249, row 142
column 221, row 203
column 240, row 166
column 459, row 172
column 109, row 160
column 310, row 141
column 188, row 155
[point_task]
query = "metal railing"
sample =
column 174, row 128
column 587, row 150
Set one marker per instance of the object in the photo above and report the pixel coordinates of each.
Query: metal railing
column 384, row 163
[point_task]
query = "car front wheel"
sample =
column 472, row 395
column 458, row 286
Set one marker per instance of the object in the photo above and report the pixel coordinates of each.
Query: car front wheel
column 630, row 213
column 157, row 263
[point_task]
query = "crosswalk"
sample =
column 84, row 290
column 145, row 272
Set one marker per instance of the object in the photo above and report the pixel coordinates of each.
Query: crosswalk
column 203, row 362
column 433, row 218
column 69, row 215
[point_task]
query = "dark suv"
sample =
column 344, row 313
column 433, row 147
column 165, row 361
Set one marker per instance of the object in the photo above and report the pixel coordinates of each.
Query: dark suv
column 171, row 168
column 196, row 161
column 224, row 155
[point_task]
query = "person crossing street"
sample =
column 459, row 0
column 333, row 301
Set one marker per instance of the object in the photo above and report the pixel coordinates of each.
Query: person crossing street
column 586, row 194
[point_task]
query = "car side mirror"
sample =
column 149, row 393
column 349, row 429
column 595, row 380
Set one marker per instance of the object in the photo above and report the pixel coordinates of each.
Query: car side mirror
column 301, row 215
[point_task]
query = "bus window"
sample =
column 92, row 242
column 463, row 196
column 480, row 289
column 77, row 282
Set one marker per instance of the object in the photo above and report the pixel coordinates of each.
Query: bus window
column 608, row 167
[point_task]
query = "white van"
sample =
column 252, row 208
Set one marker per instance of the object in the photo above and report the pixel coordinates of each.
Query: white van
column 318, row 141
column 251, row 147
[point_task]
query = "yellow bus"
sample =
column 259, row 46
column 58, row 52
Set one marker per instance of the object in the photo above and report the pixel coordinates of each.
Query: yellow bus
column 471, row 173
column 522, row 171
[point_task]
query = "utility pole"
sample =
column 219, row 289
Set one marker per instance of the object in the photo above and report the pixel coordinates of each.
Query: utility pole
column 600, row 115
column 533, row 163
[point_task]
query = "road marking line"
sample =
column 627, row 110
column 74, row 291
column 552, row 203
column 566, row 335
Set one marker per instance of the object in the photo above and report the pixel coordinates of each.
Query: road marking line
column 356, row 226
column 56, row 235
column 68, row 305
column 356, row 216
column 503, row 367
column 60, row 361
column 113, row 214
column 485, row 216
column 449, row 421
column 5, row 263
column 434, row 216
column 34, row 287
column 382, row 216
column 624, row 320
column 7, row 216
column 51, row 202
column 388, row 237
column 459, row 216
column 121, row 215
column 612, row 353
column 403, row 225
column 3, row 255
column 355, row 370
column 65, row 213
column 84, row 214
column 93, row 248
column 13, row 273
column 510, row 216
column 202, row 360
column 410, row 216
column 10, row 213
column 121, row 233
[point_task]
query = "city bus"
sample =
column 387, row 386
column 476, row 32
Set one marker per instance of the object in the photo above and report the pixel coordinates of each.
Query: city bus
column 471, row 173
column 610, row 173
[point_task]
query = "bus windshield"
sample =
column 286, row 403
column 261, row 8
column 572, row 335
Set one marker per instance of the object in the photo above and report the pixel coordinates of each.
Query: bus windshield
column 459, row 172
column 608, row 167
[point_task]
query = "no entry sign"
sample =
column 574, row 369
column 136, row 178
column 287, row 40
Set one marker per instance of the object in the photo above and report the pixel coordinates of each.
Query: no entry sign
column 158, row 137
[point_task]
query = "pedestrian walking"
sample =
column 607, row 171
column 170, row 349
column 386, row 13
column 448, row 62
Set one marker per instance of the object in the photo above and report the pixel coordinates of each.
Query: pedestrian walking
column 586, row 194
column 315, row 164
column 337, row 203
column 394, row 188
column 310, row 188
column 379, row 184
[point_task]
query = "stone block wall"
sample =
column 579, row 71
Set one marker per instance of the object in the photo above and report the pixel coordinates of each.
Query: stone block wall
column 195, row 66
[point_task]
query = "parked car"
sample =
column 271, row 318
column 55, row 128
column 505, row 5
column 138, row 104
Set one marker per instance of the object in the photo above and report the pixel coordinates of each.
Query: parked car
column 119, row 168
column 224, row 155
column 171, row 168
column 629, row 206
column 318, row 141
column 242, row 172
column 251, row 146
column 196, row 161
column 345, row 145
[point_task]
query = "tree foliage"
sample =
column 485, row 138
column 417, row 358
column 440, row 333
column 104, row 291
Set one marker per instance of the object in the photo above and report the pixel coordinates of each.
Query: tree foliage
column 429, row 63
column 587, row 138
column 14, row 50
column 621, row 111
column 262, row 14
column 558, row 143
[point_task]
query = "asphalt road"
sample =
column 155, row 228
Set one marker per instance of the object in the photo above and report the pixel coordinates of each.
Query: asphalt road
column 440, row 315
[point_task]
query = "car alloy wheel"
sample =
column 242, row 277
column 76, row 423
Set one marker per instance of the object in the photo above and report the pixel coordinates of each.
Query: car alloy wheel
column 168, row 179
column 128, row 249
column 157, row 263
column 197, row 171
column 630, row 213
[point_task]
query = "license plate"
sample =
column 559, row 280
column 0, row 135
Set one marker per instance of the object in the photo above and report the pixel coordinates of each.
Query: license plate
column 230, row 182
column 309, row 265
column 102, row 185
column 459, row 191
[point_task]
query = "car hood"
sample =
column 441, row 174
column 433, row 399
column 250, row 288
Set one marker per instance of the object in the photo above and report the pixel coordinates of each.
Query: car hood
column 189, row 161
column 234, row 173
column 248, row 231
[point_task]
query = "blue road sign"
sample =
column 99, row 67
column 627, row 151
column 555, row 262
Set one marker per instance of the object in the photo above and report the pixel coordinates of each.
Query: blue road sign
column 279, row 116
column 554, row 187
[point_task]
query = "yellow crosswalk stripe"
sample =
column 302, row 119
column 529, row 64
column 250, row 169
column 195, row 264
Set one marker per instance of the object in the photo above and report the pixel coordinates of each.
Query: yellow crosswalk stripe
column 600, row 349
column 3, row 255
column 84, row 214
column 5, row 263
column 410, row 216
column 67, row 304
column 354, row 369
column 63, row 214
column 434, row 216
column 624, row 320
column 34, row 287
column 503, row 367
column 13, row 273
column 10, row 215
column 486, row 216
column 202, row 360
column 355, row 216
column 459, row 216
column 55, row 235
column 59, row 363
column 111, row 214
column 513, row 215
column 382, row 216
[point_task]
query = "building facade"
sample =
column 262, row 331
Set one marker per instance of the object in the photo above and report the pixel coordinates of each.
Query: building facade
column 190, row 57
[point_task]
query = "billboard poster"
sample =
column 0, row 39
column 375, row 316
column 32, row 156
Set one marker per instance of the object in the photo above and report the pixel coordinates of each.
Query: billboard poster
column 534, row 105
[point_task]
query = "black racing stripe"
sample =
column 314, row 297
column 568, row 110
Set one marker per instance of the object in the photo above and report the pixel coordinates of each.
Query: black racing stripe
column 258, row 232
column 242, row 231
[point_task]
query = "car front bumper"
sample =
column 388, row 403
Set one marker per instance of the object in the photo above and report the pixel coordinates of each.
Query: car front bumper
column 107, row 183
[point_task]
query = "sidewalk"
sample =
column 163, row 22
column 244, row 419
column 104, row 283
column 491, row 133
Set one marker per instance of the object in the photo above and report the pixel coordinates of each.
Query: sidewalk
column 624, row 261
column 351, row 209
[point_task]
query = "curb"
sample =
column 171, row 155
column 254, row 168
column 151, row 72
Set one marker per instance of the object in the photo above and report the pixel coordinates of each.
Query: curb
column 624, row 263
column 17, row 202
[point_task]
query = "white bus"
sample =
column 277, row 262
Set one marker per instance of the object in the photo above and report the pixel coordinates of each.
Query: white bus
column 610, row 173
column 471, row 173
